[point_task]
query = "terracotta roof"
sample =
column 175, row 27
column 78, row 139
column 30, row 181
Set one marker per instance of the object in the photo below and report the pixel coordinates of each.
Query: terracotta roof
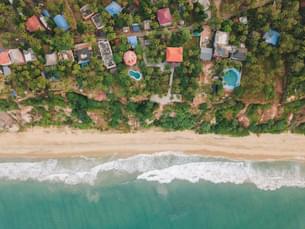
column 130, row 58
column 4, row 58
column 174, row 54
column 33, row 24
column 164, row 16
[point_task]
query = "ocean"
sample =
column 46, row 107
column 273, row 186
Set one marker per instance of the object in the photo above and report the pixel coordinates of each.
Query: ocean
column 157, row 191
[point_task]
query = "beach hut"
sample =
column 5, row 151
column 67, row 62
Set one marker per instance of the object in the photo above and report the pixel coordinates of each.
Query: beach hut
column 33, row 24
column 133, row 41
column 174, row 54
column 164, row 17
column 130, row 58
column 61, row 22
column 114, row 8
column 272, row 37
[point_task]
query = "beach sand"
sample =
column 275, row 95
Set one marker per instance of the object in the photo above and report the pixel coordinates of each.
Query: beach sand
column 64, row 142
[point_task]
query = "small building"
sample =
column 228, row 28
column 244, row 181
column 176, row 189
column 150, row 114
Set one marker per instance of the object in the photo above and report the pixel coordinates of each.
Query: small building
column 106, row 53
column 114, row 8
column 4, row 57
column 6, row 71
column 146, row 25
column 174, row 54
column 29, row 55
column 33, row 24
column 206, row 54
column 61, row 22
column 83, row 53
column 135, row 28
column 126, row 29
column 86, row 12
column 239, row 54
column 97, row 21
column 66, row 55
column 45, row 13
column 133, row 41
column 222, row 51
column 164, row 17
column 16, row 56
column 221, row 39
column 51, row 59
column 130, row 58
column 272, row 37
column 243, row 20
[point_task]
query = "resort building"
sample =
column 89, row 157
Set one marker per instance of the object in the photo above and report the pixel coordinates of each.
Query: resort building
column 133, row 41
column 5, row 58
column 61, row 22
column 29, row 55
column 86, row 12
column 221, row 44
column 106, row 53
column 146, row 25
column 33, row 24
column 51, row 59
column 66, row 55
column 206, row 54
column 83, row 53
column 16, row 56
column 239, row 54
column 174, row 54
column 272, row 37
column 130, row 58
column 114, row 8
column 135, row 27
column 164, row 17
column 97, row 21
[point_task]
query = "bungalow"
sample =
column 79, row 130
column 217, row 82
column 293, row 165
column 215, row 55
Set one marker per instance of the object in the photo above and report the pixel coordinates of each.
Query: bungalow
column 51, row 59
column 29, row 55
column 221, row 44
column 135, row 28
column 206, row 54
column 83, row 53
column 174, row 54
column 239, row 54
column 106, row 53
column 66, row 55
column 86, row 12
column 133, row 41
column 272, row 37
column 164, row 17
column 146, row 24
column 114, row 8
column 97, row 21
column 61, row 22
column 4, row 57
column 33, row 24
column 16, row 56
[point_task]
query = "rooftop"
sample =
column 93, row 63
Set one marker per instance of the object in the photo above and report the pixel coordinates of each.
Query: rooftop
column 174, row 54
column 133, row 41
column 33, row 24
column 16, row 56
column 83, row 53
column 239, row 54
column 114, row 8
column 66, row 55
column 164, row 17
column 106, row 53
column 272, row 37
column 5, row 58
column 130, row 58
column 97, row 21
column 29, row 55
column 51, row 59
column 61, row 22
column 206, row 54
column 86, row 12
column 221, row 38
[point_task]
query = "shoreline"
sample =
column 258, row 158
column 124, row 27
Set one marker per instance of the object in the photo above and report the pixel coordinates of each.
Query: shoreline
column 68, row 143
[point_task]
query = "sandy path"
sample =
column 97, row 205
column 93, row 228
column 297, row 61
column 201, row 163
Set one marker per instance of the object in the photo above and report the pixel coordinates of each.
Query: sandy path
column 52, row 143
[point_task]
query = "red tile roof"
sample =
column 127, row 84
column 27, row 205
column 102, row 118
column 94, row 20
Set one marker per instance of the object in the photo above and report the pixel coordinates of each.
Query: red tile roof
column 33, row 24
column 164, row 17
column 4, row 58
column 174, row 54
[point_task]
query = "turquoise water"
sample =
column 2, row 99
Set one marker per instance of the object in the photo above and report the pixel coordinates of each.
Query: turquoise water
column 232, row 78
column 135, row 74
column 164, row 190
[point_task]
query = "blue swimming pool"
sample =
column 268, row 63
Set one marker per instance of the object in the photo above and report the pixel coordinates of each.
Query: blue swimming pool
column 231, row 78
column 136, row 75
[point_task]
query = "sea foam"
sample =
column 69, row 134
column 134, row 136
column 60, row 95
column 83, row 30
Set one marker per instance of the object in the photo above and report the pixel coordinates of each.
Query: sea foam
column 162, row 167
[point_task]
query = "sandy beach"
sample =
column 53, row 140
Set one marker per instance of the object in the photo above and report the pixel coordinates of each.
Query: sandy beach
column 62, row 142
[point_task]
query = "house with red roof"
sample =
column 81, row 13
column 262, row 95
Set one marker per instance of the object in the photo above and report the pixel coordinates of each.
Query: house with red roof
column 164, row 17
column 33, row 24
column 5, row 58
column 174, row 54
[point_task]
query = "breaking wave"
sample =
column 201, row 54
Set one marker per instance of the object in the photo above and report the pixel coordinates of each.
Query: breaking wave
column 160, row 167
